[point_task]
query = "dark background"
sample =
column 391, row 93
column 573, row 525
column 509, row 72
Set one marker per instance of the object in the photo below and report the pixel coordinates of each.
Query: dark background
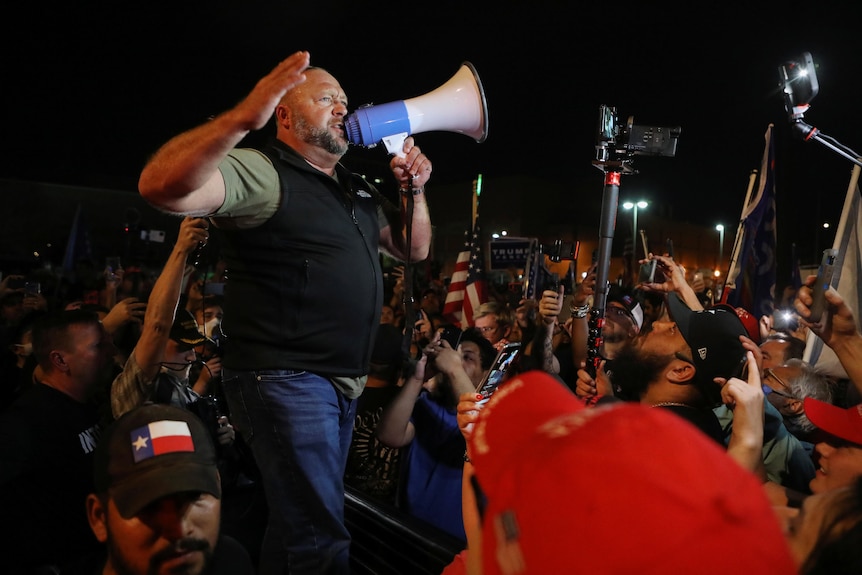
column 90, row 93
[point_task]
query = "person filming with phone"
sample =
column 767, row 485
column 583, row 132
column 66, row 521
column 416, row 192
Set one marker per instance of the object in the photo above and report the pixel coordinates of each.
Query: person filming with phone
column 422, row 418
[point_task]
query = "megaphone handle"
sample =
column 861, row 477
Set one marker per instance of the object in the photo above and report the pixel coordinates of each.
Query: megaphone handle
column 395, row 144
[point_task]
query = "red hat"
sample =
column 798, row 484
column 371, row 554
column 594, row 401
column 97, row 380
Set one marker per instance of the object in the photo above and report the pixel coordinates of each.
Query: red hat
column 843, row 423
column 752, row 326
column 648, row 491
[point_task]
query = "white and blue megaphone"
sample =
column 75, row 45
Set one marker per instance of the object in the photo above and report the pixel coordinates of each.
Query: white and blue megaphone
column 456, row 106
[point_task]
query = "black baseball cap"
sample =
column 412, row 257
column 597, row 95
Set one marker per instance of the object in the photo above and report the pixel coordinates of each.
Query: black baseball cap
column 713, row 336
column 153, row 451
column 184, row 330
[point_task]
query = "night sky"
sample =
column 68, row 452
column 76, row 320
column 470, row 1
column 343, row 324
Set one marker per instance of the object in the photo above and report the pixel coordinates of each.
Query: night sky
column 90, row 94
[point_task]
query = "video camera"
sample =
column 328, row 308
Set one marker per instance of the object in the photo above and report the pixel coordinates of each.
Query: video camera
column 616, row 145
column 537, row 276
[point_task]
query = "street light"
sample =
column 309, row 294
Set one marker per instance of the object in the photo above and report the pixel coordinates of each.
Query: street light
column 635, row 206
column 720, row 229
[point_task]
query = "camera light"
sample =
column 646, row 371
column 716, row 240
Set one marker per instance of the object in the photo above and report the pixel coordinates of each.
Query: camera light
column 799, row 83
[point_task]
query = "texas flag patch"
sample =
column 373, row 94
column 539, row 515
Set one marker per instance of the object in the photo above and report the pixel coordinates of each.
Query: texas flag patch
column 161, row 437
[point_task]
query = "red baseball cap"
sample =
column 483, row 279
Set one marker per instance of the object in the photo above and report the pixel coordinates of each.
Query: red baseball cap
column 646, row 490
column 752, row 325
column 843, row 423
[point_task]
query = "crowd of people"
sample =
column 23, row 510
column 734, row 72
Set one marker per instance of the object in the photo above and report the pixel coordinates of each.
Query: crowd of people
column 154, row 425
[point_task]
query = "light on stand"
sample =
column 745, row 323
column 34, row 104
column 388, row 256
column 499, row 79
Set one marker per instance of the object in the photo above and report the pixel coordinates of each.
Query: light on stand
column 798, row 81
column 799, row 84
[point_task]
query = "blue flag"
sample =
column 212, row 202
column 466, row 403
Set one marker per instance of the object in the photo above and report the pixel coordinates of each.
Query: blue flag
column 755, row 271
column 78, row 246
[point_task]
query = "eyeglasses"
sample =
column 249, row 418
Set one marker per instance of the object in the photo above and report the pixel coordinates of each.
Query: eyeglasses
column 488, row 329
column 767, row 389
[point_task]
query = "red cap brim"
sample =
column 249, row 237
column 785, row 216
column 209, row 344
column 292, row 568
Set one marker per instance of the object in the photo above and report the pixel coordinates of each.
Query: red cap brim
column 843, row 423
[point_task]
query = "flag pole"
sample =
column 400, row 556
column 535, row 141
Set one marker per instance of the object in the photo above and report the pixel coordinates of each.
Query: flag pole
column 814, row 346
column 458, row 305
column 477, row 191
column 730, row 281
column 845, row 213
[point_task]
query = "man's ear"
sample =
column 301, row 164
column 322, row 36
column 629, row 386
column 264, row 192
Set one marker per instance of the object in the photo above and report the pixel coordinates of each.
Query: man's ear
column 96, row 515
column 58, row 361
column 794, row 406
column 282, row 116
column 680, row 372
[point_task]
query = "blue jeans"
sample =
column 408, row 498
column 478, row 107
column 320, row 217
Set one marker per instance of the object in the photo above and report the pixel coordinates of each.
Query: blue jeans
column 299, row 428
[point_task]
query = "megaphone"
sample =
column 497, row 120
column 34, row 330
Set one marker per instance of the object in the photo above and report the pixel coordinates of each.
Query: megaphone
column 456, row 106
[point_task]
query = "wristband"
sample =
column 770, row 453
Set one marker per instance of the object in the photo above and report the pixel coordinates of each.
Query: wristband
column 580, row 311
column 416, row 191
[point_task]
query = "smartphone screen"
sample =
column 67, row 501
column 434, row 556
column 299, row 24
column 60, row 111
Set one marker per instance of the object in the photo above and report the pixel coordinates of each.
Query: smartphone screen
column 506, row 358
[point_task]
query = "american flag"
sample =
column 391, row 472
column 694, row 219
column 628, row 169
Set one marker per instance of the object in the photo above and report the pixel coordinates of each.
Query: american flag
column 468, row 288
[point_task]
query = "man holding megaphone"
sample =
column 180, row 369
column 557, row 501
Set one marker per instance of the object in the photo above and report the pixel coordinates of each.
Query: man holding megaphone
column 304, row 291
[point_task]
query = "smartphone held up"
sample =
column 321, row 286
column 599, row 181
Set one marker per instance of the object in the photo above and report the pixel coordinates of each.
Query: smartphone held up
column 821, row 285
column 503, row 366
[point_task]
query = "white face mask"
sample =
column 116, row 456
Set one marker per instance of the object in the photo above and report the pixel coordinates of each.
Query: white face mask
column 210, row 326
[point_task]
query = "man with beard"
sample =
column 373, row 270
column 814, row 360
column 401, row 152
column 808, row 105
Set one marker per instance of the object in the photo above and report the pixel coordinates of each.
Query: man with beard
column 422, row 417
column 157, row 499
column 675, row 363
column 623, row 320
column 301, row 236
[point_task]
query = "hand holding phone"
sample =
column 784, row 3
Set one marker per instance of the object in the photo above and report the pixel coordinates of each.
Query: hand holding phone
column 32, row 289
column 452, row 335
column 502, row 366
column 821, row 285
column 647, row 270
column 422, row 327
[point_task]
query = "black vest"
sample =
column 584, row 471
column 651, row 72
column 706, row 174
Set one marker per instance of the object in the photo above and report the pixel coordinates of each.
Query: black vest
column 304, row 289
